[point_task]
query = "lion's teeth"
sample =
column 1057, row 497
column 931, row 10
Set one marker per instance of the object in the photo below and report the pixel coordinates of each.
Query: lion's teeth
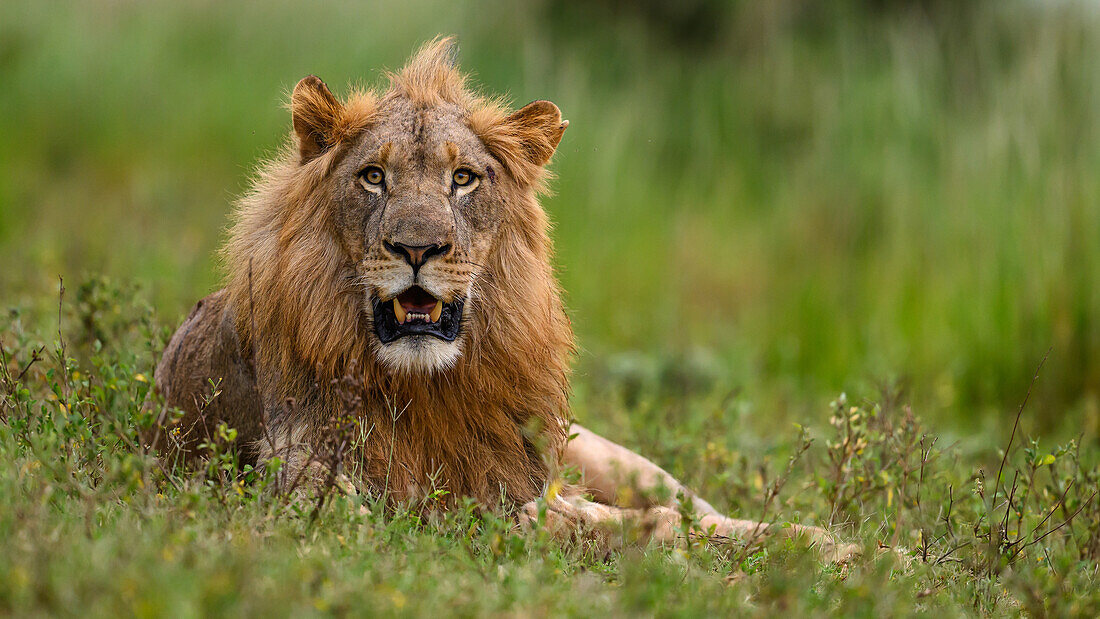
column 404, row 317
column 399, row 311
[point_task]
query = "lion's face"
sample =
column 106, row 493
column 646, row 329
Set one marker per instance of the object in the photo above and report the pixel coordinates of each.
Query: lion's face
column 417, row 185
column 417, row 206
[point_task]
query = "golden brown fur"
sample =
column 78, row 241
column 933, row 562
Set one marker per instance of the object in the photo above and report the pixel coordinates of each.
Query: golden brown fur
column 490, row 425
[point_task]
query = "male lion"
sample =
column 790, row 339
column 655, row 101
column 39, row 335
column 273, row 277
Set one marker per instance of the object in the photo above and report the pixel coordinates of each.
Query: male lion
column 399, row 240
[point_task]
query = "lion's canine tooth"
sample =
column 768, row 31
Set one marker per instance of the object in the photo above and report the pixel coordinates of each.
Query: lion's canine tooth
column 399, row 311
column 437, row 311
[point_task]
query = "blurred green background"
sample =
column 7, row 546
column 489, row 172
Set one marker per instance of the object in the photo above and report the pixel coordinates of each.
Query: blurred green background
column 779, row 200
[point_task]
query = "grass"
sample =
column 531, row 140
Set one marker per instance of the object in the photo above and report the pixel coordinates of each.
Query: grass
column 896, row 204
column 96, row 526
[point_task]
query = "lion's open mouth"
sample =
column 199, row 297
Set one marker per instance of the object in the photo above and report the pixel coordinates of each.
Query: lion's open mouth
column 416, row 312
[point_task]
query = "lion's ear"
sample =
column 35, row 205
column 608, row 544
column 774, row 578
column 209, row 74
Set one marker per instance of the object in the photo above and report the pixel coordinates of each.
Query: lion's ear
column 538, row 128
column 315, row 113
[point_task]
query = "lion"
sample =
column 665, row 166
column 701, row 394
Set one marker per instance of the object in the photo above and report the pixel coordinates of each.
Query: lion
column 398, row 239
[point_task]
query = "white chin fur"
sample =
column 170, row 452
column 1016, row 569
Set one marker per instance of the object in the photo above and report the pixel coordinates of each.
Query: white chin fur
column 419, row 353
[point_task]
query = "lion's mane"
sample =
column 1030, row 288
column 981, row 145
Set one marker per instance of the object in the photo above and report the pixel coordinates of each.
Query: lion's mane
column 485, row 426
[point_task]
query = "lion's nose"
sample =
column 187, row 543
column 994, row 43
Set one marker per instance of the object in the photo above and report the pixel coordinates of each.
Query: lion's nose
column 417, row 255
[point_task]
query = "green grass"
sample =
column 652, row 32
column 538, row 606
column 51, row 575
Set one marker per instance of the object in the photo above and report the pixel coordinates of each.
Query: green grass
column 902, row 205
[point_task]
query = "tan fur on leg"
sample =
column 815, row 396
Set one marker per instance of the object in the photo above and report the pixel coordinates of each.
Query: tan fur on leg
column 625, row 483
column 574, row 517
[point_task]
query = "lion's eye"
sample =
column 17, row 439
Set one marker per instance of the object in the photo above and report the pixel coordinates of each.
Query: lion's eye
column 463, row 177
column 373, row 175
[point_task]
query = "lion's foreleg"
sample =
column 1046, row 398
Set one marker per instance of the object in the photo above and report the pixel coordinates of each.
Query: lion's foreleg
column 303, row 472
column 574, row 517
column 615, row 475
column 630, row 488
